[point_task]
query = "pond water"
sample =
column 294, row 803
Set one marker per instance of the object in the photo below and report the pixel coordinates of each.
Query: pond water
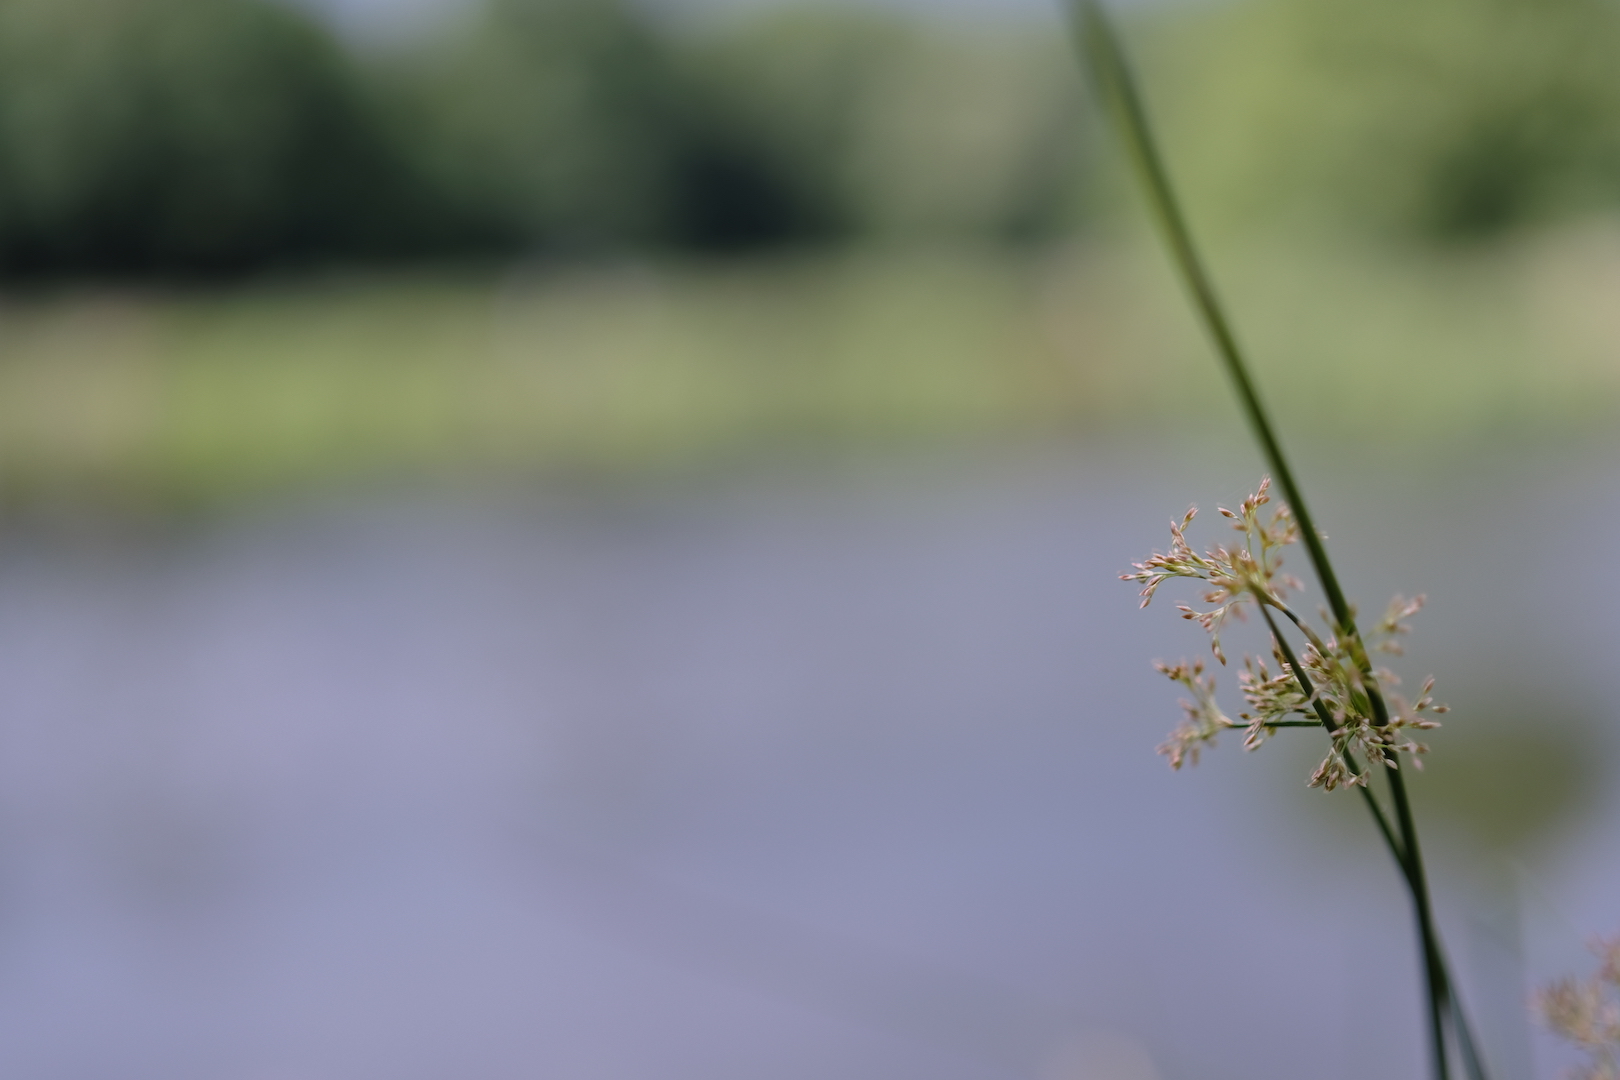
column 811, row 773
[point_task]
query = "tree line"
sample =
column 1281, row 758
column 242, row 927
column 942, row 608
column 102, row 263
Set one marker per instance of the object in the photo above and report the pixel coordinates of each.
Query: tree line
column 207, row 136
column 221, row 135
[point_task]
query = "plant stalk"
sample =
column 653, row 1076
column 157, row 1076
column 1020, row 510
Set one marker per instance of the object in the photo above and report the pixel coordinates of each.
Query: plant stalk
column 1434, row 975
column 1111, row 70
column 1378, row 815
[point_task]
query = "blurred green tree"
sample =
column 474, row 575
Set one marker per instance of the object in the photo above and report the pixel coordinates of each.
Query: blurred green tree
column 207, row 135
column 543, row 122
column 893, row 128
column 177, row 134
column 1445, row 118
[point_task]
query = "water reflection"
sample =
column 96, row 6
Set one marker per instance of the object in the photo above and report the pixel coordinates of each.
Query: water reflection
column 792, row 776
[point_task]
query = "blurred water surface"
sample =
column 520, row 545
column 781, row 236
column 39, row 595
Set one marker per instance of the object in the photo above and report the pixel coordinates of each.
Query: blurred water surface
column 805, row 771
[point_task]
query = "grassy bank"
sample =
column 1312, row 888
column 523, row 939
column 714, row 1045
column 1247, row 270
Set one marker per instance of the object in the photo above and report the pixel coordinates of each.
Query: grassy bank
column 188, row 397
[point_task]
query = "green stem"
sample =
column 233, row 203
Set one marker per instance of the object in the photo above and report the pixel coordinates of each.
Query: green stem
column 1304, row 628
column 1108, row 63
column 1434, row 958
column 1472, row 1062
column 1296, row 667
column 1378, row 815
column 1434, row 975
column 1107, row 58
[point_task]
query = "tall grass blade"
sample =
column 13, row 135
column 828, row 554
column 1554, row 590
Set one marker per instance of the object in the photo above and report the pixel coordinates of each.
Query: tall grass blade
column 1111, row 71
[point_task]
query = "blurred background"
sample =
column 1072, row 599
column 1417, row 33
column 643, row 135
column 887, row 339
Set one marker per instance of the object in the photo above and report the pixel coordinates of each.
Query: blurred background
column 578, row 538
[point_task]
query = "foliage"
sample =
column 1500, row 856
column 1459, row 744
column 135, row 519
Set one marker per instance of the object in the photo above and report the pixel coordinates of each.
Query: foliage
column 882, row 127
column 176, row 133
column 540, row 121
column 207, row 135
column 1445, row 119
column 202, row 394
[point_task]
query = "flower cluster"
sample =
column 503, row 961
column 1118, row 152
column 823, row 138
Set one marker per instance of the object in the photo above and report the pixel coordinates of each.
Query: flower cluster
column 1273, row 699
column 1331, row 684
column 1246, row 573
column 1386, row 634
column 1204, row 717
column 1350, row 695
column 1585, row 1012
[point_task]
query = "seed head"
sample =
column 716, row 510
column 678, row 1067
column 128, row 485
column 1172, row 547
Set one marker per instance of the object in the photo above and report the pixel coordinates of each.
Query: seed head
column 1335, row 772
column 1335, row 685
column 1385, row 635
column 1204, row 717
column 1245, row 573
column 1585, row 1012
column 1271, row 697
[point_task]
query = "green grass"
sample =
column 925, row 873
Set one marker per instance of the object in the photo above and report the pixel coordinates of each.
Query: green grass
column 187, row 397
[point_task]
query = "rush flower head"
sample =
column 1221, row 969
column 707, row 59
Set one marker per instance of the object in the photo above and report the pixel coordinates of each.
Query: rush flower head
column 1330, row 683
column 1390, row 627
column 1204, row 717
column 1336, row 771
column 1347, row 691
column 1586, row 1012
column 1250, row 572
column 1272, row 698
column 1608, row 954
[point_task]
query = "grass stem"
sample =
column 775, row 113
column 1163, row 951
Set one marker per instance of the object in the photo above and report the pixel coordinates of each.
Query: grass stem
column 1111, row 70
